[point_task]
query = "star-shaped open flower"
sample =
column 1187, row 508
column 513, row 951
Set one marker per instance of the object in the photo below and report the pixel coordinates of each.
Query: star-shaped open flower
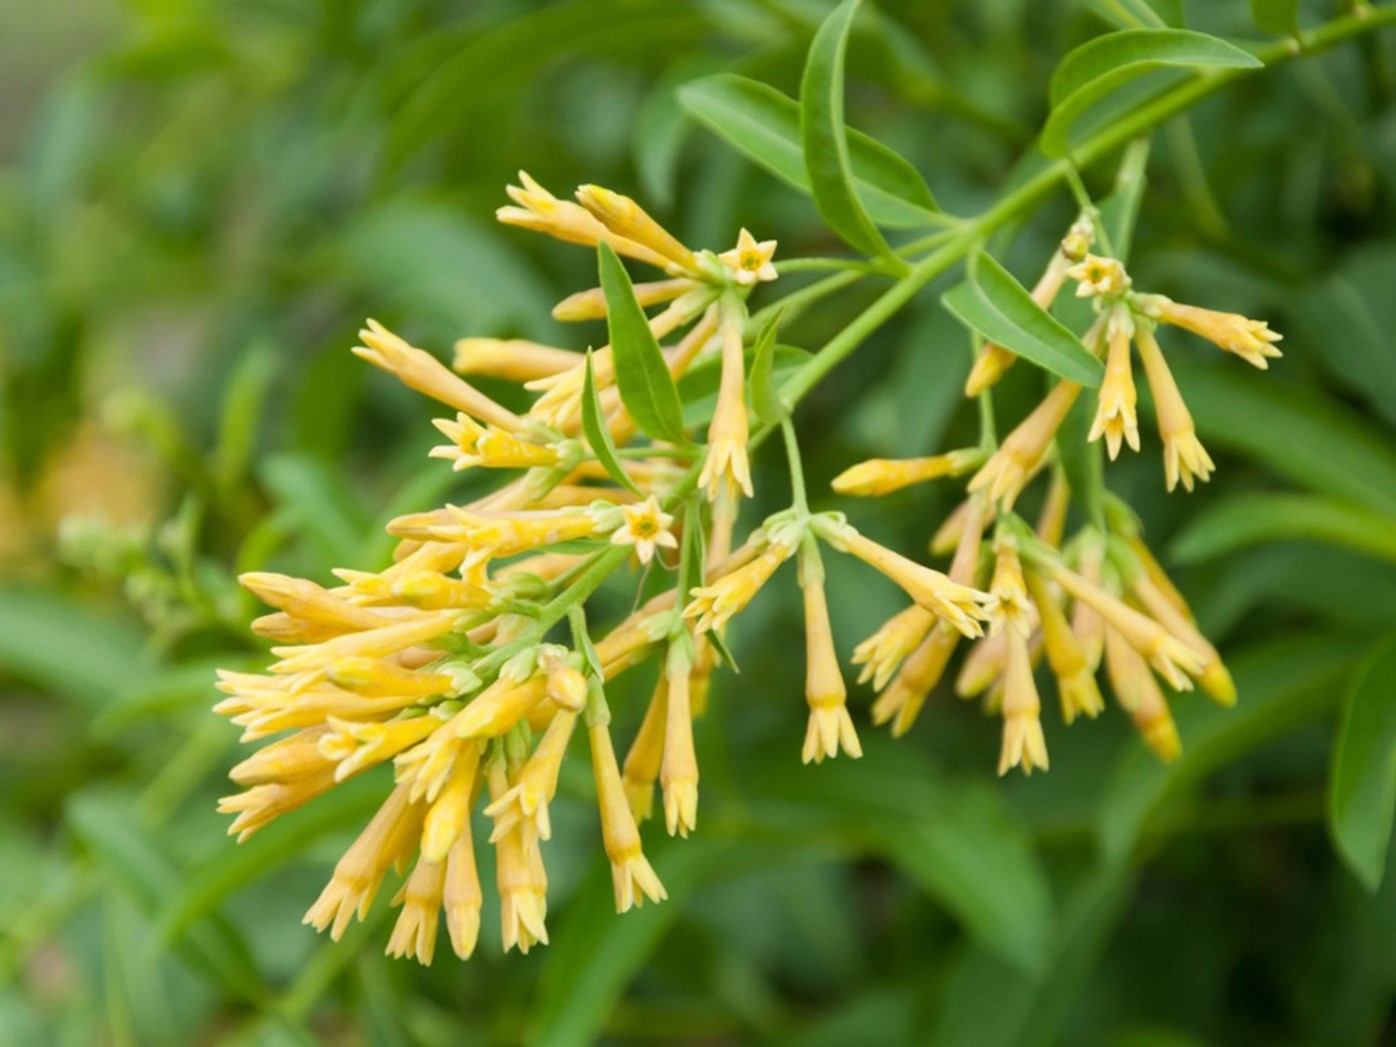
column 751, row 259
column 1099, row 276
column 646, row 527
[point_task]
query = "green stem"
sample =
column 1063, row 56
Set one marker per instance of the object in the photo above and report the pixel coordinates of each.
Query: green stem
column 797, row 469
column 1045, row 182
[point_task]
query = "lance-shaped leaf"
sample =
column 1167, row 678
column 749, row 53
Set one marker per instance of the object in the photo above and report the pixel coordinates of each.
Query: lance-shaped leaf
column 1362, row 791
column 764, row 124
column 598, row 435
column 825, row 139
column 1104, row 64
column 765, row 400
column 646, row 387
column 991, row 302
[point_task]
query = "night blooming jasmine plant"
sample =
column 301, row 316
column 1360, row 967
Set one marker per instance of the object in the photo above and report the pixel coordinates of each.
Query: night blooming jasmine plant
column 470, row 664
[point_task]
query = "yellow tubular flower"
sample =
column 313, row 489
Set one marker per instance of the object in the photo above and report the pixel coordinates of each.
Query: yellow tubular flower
column 952, row 530
column 1008, row 595
column 355, row 747
column 678, row 774
column 901, row 703
column 830, row 727
column 591, row 305
column 511, row 359
column 956, row 604
column 309, row 602
column 1139, row 694
column 1170, row 657
column 473, row 444
column 414, row 934
column 542, row 212
column 1214, row 677
column 879, row 476
column 1009, row 468
column 726, row 468
column 1086, row 623
column 1184, row 457
column 462, row 897
column 423, row 372
column 884, row 651
column 1099, row 277
column 524, row 807
column 1076, row 686
column 259, row 806
column 519, row 877
column 646, row 527
column 630, row 869
column 713, row 605
column 387, row 838
column 498, row 707
column 625, row 218
column 1115, row 417
column 1023, row 742
column 646, row 753
column 1051, row 519
column 448, row 817
column 371, row 643
column 1251, row 340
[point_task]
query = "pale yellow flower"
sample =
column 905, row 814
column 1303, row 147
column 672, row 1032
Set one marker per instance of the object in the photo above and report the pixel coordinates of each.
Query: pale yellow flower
column 462, row 898
column 473, row 444
column 643, row 760
column 750, row 261
column 883, row 652
column 539, row 210
column 647, row 528
column 414, row 934
column 1023, row 742
column 591, row 305
column 879, row 476
column 1251, row 340
column 1097, row 276
column 830, row 727
column 512, row 359
column 1008, row 596
column 1009, row 468
column 726, row 470
column 1184, row 457
column 632, row 876
column 625, row 218
column 714, row 605
column 901, row 702
column 1139, row 693
column 1076, row 686
column 1115, row 416
column 519, row 877
column 678, row 774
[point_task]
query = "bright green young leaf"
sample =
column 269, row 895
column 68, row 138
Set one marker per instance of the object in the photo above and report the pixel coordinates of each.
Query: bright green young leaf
column 1276, row 16
column 1250, row 519
column 1108, row 62
column 1362, row 787
column 1296, row 431
column 991, row 302
column 598, row 434
column 764, row 125
column 646, row 386
column 1281, row 683
column 824, row 139
column 765, row 400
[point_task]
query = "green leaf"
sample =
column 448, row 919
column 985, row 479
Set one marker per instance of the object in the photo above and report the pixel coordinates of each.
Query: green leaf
column 1276, row 16
column 1298, row 432
column 1281, row 683
column 991, row 302
column 318, row 502
column 765, row 400
column 646, row 386
column 764, row 125
column 1100, row 66
column 1251, row 519
column 1362, row 787
column 1083, row 461
column 69, row 648
column 824, row 139
column 596, row 953
column 1131, row 14
column 598, row 435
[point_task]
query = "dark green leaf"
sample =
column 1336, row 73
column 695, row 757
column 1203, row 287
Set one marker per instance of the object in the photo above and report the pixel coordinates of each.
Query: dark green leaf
column 1362, row 787
column 1250, row 519
column 991, row 302
column 646, row 386
column 598, row 434
column 824, row 139
column 1296, row 431
column 1281, row 683
column 764, row 125
column 765, row 400
column 597, row 953
column 1100, row 66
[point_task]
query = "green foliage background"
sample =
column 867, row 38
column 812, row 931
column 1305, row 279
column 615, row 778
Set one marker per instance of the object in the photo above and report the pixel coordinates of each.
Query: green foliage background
column 200, row 201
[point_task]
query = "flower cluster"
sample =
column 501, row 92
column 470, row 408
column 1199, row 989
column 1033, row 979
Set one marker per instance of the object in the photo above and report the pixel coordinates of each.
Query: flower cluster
column 447, row 664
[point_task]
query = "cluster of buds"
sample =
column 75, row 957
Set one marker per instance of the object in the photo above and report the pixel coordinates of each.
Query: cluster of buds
column 1125, row 319
column 443, row 665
